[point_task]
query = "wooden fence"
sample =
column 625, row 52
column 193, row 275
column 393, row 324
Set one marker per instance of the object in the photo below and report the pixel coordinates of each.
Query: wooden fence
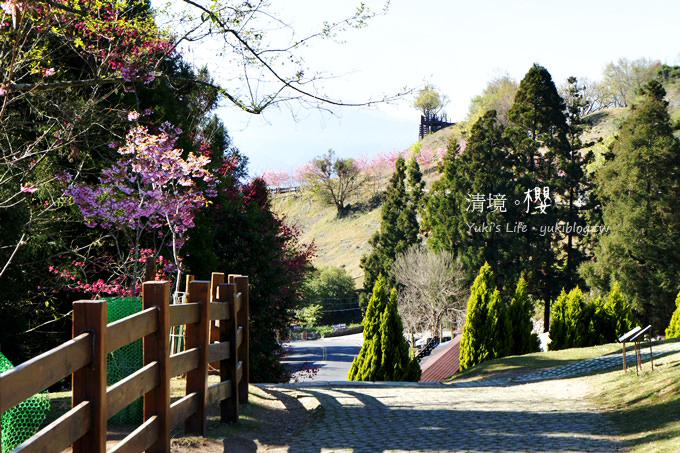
column 84, row 357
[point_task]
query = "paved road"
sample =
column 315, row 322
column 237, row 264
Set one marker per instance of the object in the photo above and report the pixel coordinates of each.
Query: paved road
column 540, row 412
column 331, row 356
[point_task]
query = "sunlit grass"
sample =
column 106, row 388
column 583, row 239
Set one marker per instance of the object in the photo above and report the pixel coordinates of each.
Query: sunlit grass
column 535, row 361
column 644, row 408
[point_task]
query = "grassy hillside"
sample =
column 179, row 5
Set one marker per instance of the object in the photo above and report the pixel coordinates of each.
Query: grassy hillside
column 342, row 242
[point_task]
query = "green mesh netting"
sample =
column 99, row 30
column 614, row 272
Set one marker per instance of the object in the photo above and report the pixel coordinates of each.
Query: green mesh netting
column 126, row 360
column 23, row 420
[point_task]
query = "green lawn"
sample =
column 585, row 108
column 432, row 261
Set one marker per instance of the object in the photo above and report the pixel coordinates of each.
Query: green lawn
column 645, row 408
column 535, row 361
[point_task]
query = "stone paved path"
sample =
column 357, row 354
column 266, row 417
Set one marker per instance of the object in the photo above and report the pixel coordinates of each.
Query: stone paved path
column 541, row 412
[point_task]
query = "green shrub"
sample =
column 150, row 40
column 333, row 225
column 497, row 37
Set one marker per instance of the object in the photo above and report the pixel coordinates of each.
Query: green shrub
column 673, row 330
column 576, row 323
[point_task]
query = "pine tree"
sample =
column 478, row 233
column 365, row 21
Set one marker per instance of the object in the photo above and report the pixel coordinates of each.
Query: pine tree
column 396, row 365
column 398, row 227
column 520, row 325
column 558, row 323
column 384, row 355
column 673, row 330
column 485, row 334
column 640, row 191
column 477, row 233
column 574, row 185
column 441, row 210
column 367, row 365
column 619, row 310
column 538, row 132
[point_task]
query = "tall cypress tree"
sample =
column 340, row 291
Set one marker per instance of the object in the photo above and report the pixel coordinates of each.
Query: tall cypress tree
column 538, row 132
column 384, row 356
column 396, row 365
column 520, row 325
column 366, row 366
column 398, row 227
column 640, row 191
column 485, row 334
column 673, row 329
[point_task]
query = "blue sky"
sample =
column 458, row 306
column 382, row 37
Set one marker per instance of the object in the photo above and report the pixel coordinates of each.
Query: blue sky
column 457, row 46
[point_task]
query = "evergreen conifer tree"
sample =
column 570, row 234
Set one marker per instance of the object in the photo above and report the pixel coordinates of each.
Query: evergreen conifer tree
column 520, row 325
column 578, row 319
column 640, row 191
column 384, row 355
column 367, row 365
column 538, row 132
column 558, row 323
column 485, row 334
column 469, row 207
column 398, row 227
column 619, row 311
column 673, row 330
column 441, row 211
column 574, row 184
column 396, row 365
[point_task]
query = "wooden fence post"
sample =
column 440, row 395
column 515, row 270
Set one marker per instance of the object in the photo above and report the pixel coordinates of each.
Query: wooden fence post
column 243, row 320
column 157, row 349
column 89, row 383
column 216, row 280
column 229, row 367
column 198, row 336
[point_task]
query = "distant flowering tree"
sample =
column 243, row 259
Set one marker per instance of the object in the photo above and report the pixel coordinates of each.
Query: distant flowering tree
column 299, row 174
column 280, row 178
column 150, row 197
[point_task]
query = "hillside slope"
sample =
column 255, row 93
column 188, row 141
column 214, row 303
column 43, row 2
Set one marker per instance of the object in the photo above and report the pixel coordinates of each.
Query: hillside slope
column 342, row 242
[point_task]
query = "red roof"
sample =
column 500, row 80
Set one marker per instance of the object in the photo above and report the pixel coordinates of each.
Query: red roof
column 444, row 363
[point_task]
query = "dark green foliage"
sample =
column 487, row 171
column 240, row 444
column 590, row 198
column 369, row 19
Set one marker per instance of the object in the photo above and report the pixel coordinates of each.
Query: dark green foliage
column 398, row 226
column 486, row 169
column 520, row 325
column 246, row 237
column 640, row 191
column 673, row 329
column 441, row 212
column 576, row 186
column 384, row 355
column 538, row 132
column 578, row 323
column 485, row 334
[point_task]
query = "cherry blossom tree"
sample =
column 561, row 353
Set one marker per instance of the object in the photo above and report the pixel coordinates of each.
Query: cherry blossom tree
column 151, row 196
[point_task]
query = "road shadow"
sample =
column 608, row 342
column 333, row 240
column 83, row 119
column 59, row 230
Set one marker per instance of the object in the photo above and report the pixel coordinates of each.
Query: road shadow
column 354, row 421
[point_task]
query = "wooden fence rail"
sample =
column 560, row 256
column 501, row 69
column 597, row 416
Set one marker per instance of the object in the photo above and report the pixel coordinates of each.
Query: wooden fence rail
column 84, row 357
